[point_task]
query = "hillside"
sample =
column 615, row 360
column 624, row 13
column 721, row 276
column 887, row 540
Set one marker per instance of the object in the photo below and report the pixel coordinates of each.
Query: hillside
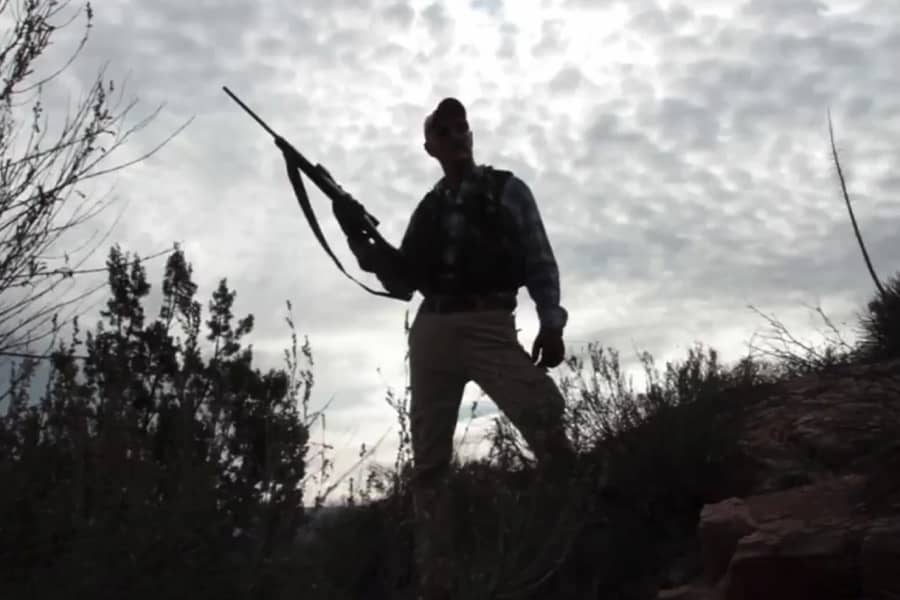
column 781, row 489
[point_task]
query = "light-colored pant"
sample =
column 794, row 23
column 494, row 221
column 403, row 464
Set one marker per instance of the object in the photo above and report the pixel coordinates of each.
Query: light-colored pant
column 446, row 352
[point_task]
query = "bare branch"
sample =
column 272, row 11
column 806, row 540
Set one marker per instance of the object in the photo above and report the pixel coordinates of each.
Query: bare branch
column 41, row 174
column 859, row 239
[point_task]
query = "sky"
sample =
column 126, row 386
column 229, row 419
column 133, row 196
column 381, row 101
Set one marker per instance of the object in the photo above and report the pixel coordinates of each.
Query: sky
column 678, row 153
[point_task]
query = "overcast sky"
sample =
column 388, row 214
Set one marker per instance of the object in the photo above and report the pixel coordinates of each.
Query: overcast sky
column 678, row 153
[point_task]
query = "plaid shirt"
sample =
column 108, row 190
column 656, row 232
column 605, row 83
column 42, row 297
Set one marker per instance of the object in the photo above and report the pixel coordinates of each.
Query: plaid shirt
column 542, row 273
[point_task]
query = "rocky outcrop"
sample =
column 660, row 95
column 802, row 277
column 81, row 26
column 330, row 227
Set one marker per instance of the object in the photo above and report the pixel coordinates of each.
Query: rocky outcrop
column 816, row 541
column 823, row 517
column 880, row 559
column 821, row 425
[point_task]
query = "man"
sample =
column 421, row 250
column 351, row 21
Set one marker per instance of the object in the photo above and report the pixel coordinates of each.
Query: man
column 471, row 243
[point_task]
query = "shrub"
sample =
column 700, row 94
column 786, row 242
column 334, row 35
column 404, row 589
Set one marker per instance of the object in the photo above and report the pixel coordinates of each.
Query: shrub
column 880, row 324
column 145, row 469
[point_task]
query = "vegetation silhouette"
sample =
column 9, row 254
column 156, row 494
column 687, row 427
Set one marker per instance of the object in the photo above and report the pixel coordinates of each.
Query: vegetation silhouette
column 156, row 460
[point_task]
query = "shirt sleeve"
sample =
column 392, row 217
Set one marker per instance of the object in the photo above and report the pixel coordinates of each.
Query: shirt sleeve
column 541, row 270
column 401, row 276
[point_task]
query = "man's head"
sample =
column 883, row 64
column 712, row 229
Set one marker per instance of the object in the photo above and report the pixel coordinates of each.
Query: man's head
column 447, row 134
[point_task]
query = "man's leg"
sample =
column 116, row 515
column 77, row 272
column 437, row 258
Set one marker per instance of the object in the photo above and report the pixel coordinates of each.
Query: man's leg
column 497, row 362
column 437, row 383
column 529, row 397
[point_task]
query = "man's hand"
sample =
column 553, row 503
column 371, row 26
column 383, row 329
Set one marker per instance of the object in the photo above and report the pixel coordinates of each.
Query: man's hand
column 350, row 217
column 549, row 346
column 368, row 255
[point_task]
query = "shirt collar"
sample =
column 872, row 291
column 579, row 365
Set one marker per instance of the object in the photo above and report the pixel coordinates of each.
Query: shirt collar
column 474, row 175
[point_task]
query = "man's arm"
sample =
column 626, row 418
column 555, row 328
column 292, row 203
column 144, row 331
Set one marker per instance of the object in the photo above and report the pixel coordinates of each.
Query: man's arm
column 394, row 276
column 394, row 267
column 541, row 270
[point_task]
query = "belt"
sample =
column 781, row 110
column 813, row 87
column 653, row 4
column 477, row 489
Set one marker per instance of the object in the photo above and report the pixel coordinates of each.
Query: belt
column 468, row 303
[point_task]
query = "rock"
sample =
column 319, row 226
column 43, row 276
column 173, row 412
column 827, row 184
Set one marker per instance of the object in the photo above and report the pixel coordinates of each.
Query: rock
column 819, row 425
column 819, row 515
column 801, row 542
column 824, row 503
column 688, row 592
column 722, row 525
column 790, row 561
column 880, row 559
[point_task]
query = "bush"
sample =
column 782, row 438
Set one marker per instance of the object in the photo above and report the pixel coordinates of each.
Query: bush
column 880, row 324
column 649, row 461
column 196, row 467
column 145, row 469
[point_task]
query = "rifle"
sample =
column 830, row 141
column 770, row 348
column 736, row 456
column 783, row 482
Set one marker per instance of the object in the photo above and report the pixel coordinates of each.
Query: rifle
column 353, row 218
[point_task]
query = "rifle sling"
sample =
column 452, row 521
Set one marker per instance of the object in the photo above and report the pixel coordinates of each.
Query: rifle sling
column 296, row 180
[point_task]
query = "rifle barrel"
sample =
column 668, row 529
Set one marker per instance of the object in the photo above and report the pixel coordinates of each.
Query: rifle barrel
column 250, row 112
column 319, row 175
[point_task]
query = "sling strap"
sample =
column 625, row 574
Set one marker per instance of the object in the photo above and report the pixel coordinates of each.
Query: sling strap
column 293, row 172
column 357, row 223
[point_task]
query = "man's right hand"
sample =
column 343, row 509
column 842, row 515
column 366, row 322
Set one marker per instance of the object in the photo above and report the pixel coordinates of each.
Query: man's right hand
column 548, row 350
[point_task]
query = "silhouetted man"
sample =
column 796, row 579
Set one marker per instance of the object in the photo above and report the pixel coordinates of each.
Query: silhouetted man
column 471, row 243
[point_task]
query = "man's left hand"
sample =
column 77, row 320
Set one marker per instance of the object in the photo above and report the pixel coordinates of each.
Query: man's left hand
column 549, row 346
column 367, row 255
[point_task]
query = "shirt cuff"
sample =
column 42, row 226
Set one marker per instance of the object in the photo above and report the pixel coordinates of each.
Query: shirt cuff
column 553, row 317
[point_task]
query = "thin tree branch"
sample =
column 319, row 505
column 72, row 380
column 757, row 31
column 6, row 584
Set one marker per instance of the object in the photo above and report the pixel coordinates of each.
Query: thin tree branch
column 840, row 173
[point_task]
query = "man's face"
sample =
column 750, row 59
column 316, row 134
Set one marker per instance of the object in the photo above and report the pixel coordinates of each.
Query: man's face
column 450, row 139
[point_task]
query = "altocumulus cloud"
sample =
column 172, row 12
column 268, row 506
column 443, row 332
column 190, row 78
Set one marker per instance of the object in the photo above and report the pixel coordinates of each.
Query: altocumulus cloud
column 678, row 152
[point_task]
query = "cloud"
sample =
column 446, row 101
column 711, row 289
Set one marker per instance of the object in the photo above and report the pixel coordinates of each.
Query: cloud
column 678, row 152
column 491, row 7
column 552, row 40
column 400, row 13
column 437, row 21
column 566, row 80
column 507, row 47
